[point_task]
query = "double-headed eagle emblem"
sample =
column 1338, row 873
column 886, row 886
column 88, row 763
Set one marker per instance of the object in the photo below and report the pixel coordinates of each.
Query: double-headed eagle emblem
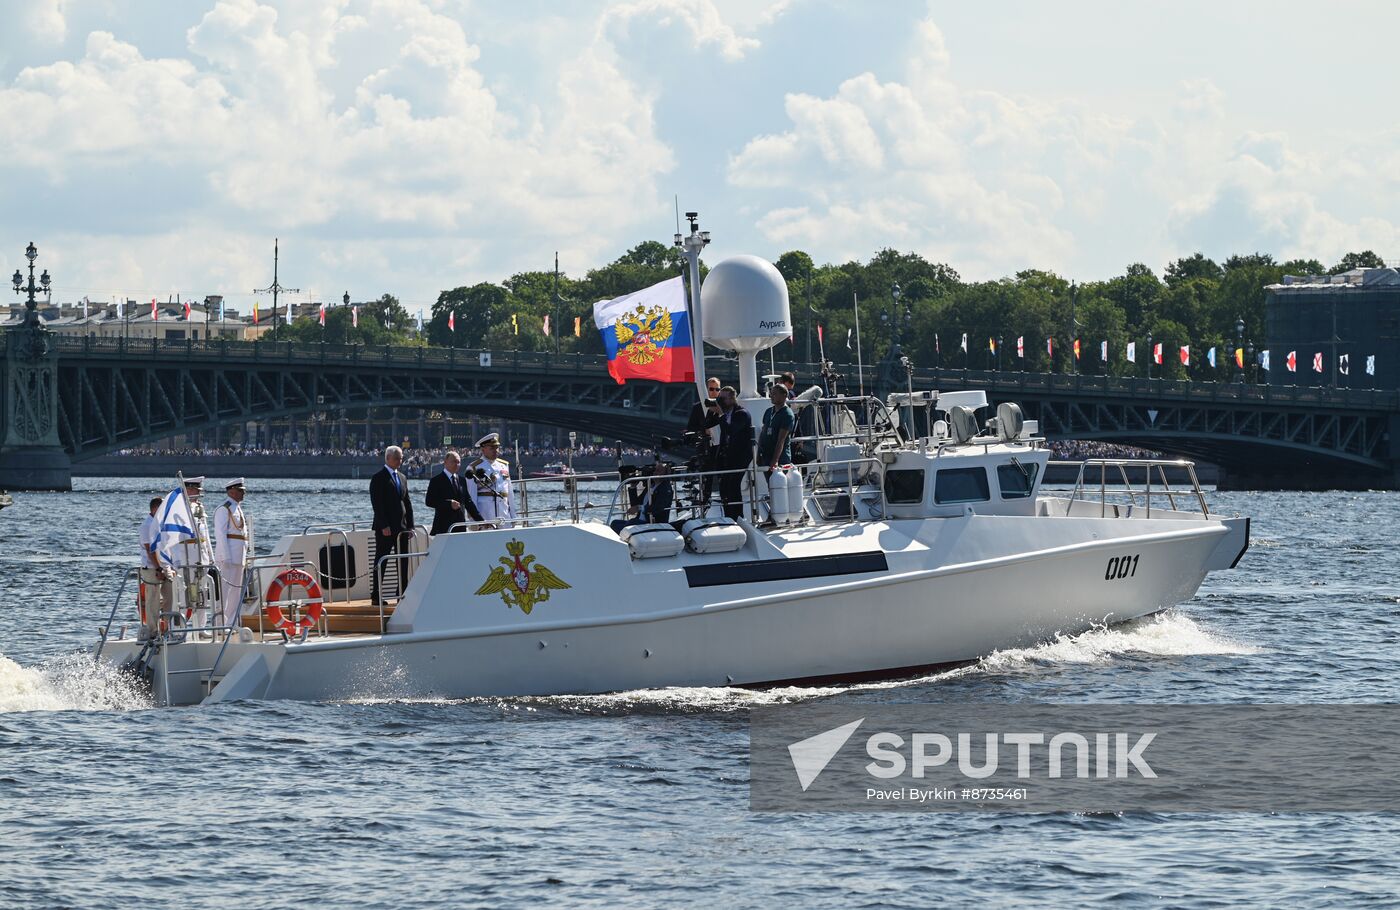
column 519, row 582
column 642, row 332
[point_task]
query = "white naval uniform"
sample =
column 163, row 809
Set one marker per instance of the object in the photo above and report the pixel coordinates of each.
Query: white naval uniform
column 233, row 542
column 492, row 496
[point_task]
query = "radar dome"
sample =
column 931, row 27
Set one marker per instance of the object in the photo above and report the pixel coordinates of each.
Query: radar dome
column 744, row 300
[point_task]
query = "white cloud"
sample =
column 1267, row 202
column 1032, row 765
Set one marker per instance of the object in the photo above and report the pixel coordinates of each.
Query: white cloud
column 700, row 18
column 993, row 183
column 47, row 20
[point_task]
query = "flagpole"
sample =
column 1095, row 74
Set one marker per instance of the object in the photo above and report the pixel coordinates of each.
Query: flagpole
column 860, row 363
column 690, row 246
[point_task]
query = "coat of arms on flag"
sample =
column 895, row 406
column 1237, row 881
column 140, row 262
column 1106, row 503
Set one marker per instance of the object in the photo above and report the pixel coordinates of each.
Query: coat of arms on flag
column 647, row 334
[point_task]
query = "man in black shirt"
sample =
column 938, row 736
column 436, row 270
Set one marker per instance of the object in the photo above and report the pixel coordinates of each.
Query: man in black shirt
column 735, row 447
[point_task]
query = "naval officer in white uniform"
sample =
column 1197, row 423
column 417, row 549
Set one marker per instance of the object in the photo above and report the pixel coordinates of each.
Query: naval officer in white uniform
column 488, row 482
column 233, row 544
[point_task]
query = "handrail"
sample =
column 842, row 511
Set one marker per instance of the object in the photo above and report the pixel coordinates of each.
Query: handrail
column 116, row 602
column 1148, row 465
column 379, row 564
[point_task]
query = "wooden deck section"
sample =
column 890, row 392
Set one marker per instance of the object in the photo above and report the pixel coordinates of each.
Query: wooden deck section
column 357, row 617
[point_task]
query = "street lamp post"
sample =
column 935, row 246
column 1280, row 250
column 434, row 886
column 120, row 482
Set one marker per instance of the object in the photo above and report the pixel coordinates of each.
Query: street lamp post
column 1239, row 343
column 1249, row 359
column 1151, row 355
column 31, row 306
column 1001, row 340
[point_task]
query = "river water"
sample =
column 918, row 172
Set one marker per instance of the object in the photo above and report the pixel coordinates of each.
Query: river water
column 641, row 799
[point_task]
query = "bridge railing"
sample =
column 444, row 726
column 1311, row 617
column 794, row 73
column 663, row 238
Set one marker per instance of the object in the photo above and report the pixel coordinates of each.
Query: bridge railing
column 1007, row 381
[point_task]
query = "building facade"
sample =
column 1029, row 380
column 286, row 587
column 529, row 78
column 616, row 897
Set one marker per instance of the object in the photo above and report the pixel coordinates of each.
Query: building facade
column 1346, row 319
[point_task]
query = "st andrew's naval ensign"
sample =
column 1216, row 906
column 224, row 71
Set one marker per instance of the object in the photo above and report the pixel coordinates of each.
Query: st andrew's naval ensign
column 519, row 581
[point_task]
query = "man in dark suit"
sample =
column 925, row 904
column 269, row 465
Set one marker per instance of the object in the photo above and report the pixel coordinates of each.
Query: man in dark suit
column 447, row 497
column 735, row 450
column 697, row 424
column 393, row 519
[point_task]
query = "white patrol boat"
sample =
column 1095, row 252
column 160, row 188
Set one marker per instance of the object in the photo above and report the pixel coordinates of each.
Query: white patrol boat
column 918, row 535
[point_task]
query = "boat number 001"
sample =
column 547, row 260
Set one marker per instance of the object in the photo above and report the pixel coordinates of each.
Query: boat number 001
column 1121, row 567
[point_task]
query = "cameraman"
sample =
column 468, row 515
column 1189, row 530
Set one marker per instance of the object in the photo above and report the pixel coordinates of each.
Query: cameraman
column 697, row 425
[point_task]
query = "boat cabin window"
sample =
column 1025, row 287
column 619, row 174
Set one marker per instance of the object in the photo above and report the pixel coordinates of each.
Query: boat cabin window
column 904, row 486
column 961, row 485
column 1016, row 480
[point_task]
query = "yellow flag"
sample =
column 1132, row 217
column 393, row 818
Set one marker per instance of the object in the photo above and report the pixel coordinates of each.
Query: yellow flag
column 515, row 323
column 578, row 327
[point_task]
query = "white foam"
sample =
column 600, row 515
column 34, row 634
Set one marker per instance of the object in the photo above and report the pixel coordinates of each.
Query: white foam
column 1169, row 634
column 74, row 682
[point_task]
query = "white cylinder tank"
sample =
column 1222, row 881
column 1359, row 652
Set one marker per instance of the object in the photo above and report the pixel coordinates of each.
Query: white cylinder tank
column 744, row 304
column 796, row 504
column 778, row 496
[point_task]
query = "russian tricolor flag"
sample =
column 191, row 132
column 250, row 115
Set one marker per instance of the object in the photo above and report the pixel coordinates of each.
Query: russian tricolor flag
column 647, row 334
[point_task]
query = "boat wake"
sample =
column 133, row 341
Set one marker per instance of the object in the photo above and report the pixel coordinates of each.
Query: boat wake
column 74, row 682
column 1169, row 634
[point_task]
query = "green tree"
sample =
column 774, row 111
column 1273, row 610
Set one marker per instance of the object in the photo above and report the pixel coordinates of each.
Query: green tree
column 1365, row 259
column 476, row 310
column 1193, row 266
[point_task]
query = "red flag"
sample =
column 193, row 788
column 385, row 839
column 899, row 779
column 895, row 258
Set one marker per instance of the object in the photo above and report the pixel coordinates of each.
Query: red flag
column 1292, row 361
column 451, row 320
column 1157, row 353
column 323, row 315
column 1317, row 362
column 821, row 339
column 155, row 313
column 1021, row 346
column 1186, row 355
column 1076, row 349
column 1050, row 346
column 187, row 311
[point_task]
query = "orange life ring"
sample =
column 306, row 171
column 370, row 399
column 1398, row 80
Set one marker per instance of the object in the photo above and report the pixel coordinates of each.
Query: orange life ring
column 315, row 605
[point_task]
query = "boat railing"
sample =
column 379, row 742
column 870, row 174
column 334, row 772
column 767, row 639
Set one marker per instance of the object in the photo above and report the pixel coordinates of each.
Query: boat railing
column 818, row 476
column 380, row 564
column 1115, row 478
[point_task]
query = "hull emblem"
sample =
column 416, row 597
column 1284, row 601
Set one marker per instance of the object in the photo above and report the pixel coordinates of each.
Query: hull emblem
column 520, row 581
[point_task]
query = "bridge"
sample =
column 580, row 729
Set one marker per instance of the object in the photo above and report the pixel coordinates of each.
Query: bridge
column 69, row 399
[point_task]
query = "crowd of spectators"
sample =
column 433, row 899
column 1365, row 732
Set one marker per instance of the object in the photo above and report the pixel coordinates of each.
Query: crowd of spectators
column 1080, row 449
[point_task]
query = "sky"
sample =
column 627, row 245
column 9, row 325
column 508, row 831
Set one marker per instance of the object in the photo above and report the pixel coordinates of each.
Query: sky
column 157, row 147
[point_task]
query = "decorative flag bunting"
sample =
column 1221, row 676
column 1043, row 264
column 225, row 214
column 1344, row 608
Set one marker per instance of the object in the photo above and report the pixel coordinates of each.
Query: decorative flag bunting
column 964, row 343
column 1050, row 346
column 1239, row 358
column 1344, row 364
column 323, row 316
column 821, row 336
column 1021, row 346
column 355, row 316
column 155, row 313
column 255, row 312
column 1157, row 353
column 647, row 334
column 515, row 323
column 121, row 308
column 1103, row 351
column 578, row 327
column 451, row 320
column 1264, row 360
column 848, row 340
column 85, row 306
column 221, row 310
column 420, row 322
column 1132, row 352
column 1210, row 357
column 187, row 311
column 1076, row 349
column 1317, row 362
column 1370, row 364
column 937, row 348
column 1292, row 361
column 1186, row 355
column 992, row 345
column 546, row 325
